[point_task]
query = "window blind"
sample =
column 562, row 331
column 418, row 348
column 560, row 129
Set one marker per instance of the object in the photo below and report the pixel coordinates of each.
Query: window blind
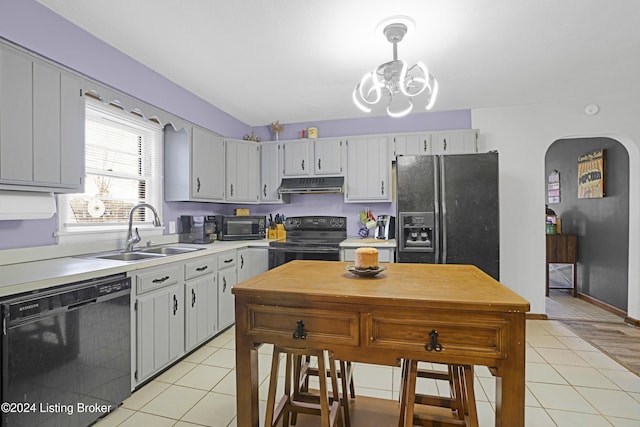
column 123, row 157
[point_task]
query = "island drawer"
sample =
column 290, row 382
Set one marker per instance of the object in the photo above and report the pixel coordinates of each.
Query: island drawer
column 486, row 335
column 157, row 278
column 200, row 267
column 319, row 326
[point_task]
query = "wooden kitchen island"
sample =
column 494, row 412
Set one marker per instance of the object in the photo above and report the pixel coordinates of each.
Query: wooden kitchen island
column 383, row 319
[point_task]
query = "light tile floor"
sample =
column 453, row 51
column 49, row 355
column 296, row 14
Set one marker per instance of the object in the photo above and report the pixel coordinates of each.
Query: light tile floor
column 569, row 383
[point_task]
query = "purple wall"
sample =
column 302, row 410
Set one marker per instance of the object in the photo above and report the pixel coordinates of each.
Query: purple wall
column 34, row 27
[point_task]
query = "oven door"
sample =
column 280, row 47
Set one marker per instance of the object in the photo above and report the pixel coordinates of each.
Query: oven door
column 279, row 256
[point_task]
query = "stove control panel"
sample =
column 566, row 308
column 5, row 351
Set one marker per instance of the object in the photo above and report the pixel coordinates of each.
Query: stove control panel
column 316, row 223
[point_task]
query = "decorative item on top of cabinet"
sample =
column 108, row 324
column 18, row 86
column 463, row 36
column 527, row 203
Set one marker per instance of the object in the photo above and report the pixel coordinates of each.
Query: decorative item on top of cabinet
column 277, row 128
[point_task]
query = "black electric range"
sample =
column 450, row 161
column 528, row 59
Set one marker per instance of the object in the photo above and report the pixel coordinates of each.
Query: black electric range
column 310, row 238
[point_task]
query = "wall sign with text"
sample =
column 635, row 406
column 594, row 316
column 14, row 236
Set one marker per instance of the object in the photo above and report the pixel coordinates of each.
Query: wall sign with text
column 553, row 187
column 591, row 175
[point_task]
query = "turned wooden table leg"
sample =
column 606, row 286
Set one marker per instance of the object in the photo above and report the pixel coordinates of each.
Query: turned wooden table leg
column 248, row 413
column 510, row 382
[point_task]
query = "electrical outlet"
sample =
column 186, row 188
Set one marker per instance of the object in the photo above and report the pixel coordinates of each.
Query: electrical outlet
column 172, row 227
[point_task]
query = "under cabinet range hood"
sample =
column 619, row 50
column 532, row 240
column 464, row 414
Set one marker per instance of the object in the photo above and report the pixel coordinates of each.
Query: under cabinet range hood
column 315, row 185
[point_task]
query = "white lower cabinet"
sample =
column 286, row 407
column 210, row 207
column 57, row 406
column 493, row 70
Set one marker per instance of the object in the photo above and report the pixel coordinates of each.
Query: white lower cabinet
column 201, row 301
column 178, row 306
column 227, row 279
column 251, row 262
column 160, row 316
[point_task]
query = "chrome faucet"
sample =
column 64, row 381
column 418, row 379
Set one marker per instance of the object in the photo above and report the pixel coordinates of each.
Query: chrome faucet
column 134, row 237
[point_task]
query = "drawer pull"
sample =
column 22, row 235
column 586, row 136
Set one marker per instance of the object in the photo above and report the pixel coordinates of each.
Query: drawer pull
column 300, row 333
column 202, row 268
column 433, row 344
column 160, row 280
column 227, row 261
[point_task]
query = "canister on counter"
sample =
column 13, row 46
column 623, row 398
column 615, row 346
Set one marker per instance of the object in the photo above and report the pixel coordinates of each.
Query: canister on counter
column 312, row 132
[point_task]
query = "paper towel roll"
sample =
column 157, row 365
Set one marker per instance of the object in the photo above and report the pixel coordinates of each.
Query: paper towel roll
column 26, row 205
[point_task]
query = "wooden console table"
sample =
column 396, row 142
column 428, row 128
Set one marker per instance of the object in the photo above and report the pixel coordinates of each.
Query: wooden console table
column 382, row 319
column 562, row 249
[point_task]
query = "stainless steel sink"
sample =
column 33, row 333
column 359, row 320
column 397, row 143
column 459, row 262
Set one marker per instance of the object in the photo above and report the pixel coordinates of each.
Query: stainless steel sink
column 126, row 256
column 169, row 250
column 143, row 253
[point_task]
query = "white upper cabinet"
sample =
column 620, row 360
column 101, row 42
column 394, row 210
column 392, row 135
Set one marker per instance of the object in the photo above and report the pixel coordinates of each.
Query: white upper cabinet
column 243, row 171
column 368, row 169
column 317, row 157
column 41, row 125
column 270, row 161
column 445, row 142
column 328, row 156
column 298, row 157
column 194, row 165
column 208, row 163
column 413, row 144
column 456, row 142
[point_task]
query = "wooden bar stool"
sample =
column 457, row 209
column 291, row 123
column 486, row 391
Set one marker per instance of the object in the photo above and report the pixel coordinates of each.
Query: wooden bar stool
column 292, row 402
column 344, row 374
column 461, row 402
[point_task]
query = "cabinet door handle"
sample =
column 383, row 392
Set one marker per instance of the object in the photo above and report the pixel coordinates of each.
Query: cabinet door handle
column 302, row 164
column 382, row 187
column 175, row 304
column 264, row 191
column 160, row 280
column 203, row 268
column 197, row 184
column 319, row 164
column 231, row 190
column 224, row 284
column 425, row 145
column 193, row 297
column 241, row 261
column 444, row 145
column 299, row 333
column 433, row 344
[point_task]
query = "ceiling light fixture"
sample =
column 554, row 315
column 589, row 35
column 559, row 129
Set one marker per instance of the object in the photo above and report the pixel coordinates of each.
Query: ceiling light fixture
column 395, row 82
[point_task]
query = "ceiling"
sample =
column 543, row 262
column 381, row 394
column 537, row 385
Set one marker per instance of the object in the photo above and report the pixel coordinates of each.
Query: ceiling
column 298, row 61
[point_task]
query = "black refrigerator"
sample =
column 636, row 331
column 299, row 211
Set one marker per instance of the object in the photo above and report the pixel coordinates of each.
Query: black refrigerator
column 448, row 210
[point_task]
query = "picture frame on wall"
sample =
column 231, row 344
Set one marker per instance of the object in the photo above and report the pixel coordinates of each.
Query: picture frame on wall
column 592, row 175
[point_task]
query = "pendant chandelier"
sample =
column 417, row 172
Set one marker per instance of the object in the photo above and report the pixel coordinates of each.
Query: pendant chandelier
column 395, row 83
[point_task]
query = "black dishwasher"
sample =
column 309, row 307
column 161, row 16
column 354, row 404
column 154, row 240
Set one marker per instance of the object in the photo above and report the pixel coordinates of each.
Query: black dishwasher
column 66, row 353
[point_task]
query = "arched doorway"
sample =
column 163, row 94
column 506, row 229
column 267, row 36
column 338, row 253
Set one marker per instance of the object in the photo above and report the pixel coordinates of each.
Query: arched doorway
column 601, row 224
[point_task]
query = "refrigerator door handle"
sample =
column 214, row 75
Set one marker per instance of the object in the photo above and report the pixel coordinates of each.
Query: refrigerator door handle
column 443, row 205
column 436, row 204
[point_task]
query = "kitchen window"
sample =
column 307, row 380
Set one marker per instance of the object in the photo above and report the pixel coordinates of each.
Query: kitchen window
column 123, row 163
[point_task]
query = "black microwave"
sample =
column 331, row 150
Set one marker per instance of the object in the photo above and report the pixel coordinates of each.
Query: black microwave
column 232, row 227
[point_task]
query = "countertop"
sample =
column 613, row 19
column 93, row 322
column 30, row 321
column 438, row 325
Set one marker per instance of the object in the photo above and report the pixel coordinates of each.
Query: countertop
column 34, row 275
